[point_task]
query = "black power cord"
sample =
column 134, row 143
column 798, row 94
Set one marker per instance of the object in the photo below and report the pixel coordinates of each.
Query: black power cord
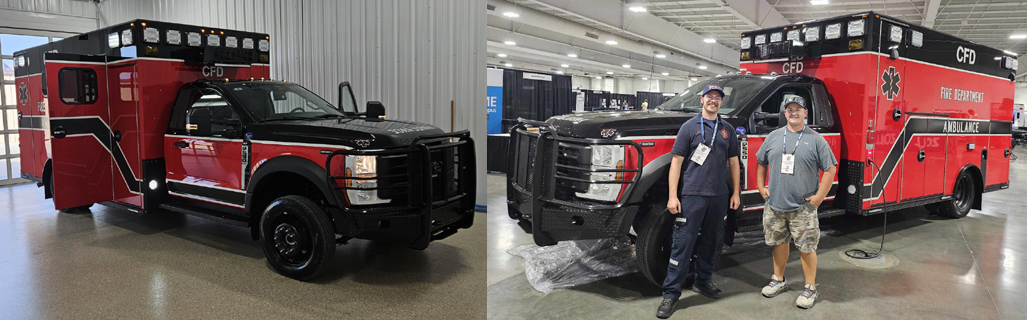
column 859, row 253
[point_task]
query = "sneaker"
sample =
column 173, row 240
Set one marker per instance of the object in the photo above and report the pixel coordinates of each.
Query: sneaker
column 776, row 287
column 666, row 308
column 807, row 298
column 707, row 289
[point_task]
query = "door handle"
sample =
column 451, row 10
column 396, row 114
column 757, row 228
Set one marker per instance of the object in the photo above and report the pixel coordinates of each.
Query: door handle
column 59, row 132
column 181, row 144
column 920, row 156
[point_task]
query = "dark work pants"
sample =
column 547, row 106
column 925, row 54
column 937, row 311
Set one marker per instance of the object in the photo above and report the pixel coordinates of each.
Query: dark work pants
column 699, row 214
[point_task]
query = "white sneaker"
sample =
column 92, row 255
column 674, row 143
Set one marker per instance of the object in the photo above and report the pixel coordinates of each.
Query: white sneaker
column 776, row 287
column 807, row 298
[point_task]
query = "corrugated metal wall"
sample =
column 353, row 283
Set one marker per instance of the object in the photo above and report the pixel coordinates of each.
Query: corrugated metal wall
column 62, row 7
column 44, row 17
column 415, row 56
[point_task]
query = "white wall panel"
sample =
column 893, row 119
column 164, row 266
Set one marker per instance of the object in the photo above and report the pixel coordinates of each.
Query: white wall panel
column 416, row 57
column 42, row 16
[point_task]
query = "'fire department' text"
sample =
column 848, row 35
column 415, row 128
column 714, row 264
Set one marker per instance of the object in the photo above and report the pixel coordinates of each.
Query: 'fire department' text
column 962, row 95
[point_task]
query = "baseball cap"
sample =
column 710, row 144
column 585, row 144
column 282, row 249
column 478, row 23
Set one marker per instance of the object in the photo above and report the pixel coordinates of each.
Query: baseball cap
column 713, row 87
column 793, row 99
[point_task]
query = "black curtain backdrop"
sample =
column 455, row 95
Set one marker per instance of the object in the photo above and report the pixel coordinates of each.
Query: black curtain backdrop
column 596, row 100
column 534, row 99
column 655, row 98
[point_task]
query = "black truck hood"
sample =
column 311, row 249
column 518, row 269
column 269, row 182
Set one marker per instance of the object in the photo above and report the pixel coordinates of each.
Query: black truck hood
column 607, row 124
column 355, row 133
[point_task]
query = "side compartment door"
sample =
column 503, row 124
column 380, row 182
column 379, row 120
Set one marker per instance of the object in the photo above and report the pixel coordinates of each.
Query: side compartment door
column 81, row 136
column 124, row 104
column 889, row 138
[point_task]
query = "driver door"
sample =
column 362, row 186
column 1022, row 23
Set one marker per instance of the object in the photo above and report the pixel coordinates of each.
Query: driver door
column 206, row 167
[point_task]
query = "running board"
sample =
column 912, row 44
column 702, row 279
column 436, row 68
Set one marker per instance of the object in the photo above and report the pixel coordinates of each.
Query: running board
column 206, row 214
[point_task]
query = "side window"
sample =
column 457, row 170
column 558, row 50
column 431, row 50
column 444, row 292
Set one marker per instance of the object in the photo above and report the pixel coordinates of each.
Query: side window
column 771, row 115
column 348, row 104
column 222, row 117
column 77, row 85
column 824, row 115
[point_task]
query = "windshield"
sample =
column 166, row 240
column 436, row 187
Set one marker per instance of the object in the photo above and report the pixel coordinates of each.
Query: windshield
column 736, row 92
column 281, row 101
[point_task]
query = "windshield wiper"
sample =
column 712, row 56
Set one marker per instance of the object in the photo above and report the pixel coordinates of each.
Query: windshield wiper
column 285, row 118
column 329, row 115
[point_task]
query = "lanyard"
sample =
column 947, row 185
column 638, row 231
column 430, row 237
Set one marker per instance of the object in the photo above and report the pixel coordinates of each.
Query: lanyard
column 784, row 145
column 702, row 126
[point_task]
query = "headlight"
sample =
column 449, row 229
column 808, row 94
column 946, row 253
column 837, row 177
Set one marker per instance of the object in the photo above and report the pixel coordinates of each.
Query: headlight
column 833, row 31
column 363, row 167
column 151, row 35
column 746, row 42
column 812, row 34
column 605, row 157
column 126, row 37
column 856, row 28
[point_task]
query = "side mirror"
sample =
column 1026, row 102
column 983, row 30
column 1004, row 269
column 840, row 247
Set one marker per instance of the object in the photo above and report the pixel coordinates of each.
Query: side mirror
column 375, row 110
column 197, row 121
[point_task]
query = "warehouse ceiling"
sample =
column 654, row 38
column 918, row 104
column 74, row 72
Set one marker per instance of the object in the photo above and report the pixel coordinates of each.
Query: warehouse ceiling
column 671, row 39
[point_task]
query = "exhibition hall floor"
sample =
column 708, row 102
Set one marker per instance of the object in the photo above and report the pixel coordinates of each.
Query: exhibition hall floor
column 112, row 264
column 970, row 268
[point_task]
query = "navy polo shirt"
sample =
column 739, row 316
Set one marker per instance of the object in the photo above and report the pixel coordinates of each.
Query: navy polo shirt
column 713, row 177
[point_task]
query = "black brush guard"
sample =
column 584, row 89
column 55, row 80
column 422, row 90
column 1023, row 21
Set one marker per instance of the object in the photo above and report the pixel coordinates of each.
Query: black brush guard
column 428, row 214
column 531, row 188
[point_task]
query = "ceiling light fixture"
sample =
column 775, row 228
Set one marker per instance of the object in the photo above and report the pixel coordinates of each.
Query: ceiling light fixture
column 637, row 9
column 510, row 14
column 572, row 55
column 702, row 67
column 508, row 65
column 661, row 56
column 665, row 74
column 609, row 72
column 501, row 55
column 818, row 2
column 611, row 42
column 709, row 40
column 565, row 65
column 626, row 66
column 509, row 43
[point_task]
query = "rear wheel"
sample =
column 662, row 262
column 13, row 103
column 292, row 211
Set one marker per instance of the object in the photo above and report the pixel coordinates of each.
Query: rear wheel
column 963, row 196
column 297, row 237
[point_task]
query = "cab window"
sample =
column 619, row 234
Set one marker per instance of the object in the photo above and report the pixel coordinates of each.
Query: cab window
column 771, row 115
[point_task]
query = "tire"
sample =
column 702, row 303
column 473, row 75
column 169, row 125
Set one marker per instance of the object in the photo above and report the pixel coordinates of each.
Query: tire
column 297, row 237
column 963, row 196
column 654, row 242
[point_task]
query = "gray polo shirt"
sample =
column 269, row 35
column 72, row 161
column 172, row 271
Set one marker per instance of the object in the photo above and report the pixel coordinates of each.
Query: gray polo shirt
column 789, row 191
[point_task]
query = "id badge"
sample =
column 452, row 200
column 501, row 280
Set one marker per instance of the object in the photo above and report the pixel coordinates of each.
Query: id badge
column 699, row 156
column 788, row 163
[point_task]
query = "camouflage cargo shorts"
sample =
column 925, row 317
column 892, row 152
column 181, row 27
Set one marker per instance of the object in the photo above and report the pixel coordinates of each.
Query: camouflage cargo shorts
column 801, row 225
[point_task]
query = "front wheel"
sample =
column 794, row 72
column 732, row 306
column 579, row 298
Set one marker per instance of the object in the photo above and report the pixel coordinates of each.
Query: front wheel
column 297, row 237
column 654, row 244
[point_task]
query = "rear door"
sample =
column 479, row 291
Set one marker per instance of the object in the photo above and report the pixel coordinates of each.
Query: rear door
column 81, row 137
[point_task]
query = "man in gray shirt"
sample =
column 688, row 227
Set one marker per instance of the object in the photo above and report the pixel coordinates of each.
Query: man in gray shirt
column 796, row 155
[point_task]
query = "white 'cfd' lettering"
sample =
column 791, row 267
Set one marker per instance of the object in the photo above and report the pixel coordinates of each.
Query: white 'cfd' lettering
column 966, row 55
column 790, row 67
column 209, row 71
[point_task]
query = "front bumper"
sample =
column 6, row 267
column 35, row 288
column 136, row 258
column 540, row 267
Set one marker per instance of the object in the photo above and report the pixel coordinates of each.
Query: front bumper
column 550, row 215
column 427, row 206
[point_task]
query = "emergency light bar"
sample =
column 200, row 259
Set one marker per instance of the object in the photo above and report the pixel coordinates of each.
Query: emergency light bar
column 198, row 42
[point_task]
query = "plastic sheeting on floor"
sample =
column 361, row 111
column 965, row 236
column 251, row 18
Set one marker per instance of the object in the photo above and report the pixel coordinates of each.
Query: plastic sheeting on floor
column 572, row 263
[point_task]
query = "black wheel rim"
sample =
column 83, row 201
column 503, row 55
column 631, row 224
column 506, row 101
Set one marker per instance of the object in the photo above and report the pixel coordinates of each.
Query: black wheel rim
column 963, row 193
column 291, row 240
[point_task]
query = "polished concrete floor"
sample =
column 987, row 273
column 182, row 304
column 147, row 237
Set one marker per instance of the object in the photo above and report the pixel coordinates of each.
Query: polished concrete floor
column 111, row 264
column 970, row 268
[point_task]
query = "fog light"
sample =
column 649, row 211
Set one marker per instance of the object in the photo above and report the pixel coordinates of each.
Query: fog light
column 852, row 189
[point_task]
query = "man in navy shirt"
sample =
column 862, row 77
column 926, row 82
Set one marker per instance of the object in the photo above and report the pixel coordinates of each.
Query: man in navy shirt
column 710, row 147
